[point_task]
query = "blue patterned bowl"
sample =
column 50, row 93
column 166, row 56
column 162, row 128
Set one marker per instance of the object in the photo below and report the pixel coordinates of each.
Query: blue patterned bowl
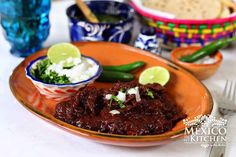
column 81, row 30
column 59, row 92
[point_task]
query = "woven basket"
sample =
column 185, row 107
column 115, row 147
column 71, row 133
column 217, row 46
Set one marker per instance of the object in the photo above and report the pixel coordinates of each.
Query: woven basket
column 188, row 32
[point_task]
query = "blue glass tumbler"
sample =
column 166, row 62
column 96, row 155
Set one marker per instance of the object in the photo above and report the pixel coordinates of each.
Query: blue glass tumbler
column 26, row 24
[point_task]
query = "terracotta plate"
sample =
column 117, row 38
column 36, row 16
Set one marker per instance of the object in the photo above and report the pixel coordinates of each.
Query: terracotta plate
column 185, row 89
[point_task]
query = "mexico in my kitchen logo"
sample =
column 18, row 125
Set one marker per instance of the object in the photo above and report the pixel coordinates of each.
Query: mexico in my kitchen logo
column 206, row 131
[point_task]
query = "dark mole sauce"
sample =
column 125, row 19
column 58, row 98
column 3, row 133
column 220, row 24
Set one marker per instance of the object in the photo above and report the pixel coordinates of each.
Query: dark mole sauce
column 89, row 109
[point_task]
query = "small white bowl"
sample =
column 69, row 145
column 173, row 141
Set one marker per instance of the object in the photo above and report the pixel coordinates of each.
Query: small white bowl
column 60, row 92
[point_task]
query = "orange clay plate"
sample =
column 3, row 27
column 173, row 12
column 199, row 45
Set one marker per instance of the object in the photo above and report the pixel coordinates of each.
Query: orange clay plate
column 185, row 89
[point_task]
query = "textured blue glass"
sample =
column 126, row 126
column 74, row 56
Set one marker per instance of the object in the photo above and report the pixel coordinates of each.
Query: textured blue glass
column 26, row 24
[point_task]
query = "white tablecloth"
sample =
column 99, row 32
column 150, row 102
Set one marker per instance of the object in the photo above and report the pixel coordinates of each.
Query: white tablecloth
column 24, row 135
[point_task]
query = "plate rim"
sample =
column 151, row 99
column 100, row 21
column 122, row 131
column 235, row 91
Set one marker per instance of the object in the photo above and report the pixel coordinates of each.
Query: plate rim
column 89, row 133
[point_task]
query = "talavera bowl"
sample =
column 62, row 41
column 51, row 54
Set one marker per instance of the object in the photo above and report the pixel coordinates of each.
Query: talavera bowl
column 81, row 30
column 59, row 92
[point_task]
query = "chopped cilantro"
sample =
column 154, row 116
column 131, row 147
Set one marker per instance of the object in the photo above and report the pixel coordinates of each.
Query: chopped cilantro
column 52, row 77
column 113, row 97
column 150, row 94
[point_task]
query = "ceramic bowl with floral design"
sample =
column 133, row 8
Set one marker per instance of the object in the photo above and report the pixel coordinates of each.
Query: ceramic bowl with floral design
column 119, row 31
column 59, row 92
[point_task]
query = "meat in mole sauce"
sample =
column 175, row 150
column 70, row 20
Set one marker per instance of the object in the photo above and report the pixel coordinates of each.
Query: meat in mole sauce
column 125, row 109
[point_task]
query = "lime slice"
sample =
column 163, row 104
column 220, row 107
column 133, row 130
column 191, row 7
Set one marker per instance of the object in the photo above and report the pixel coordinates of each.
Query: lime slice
column 155, row 74
column 65, row 52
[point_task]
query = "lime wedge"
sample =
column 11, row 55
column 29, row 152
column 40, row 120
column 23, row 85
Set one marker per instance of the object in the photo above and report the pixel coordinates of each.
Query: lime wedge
column 155, row 74
column 64, row 52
